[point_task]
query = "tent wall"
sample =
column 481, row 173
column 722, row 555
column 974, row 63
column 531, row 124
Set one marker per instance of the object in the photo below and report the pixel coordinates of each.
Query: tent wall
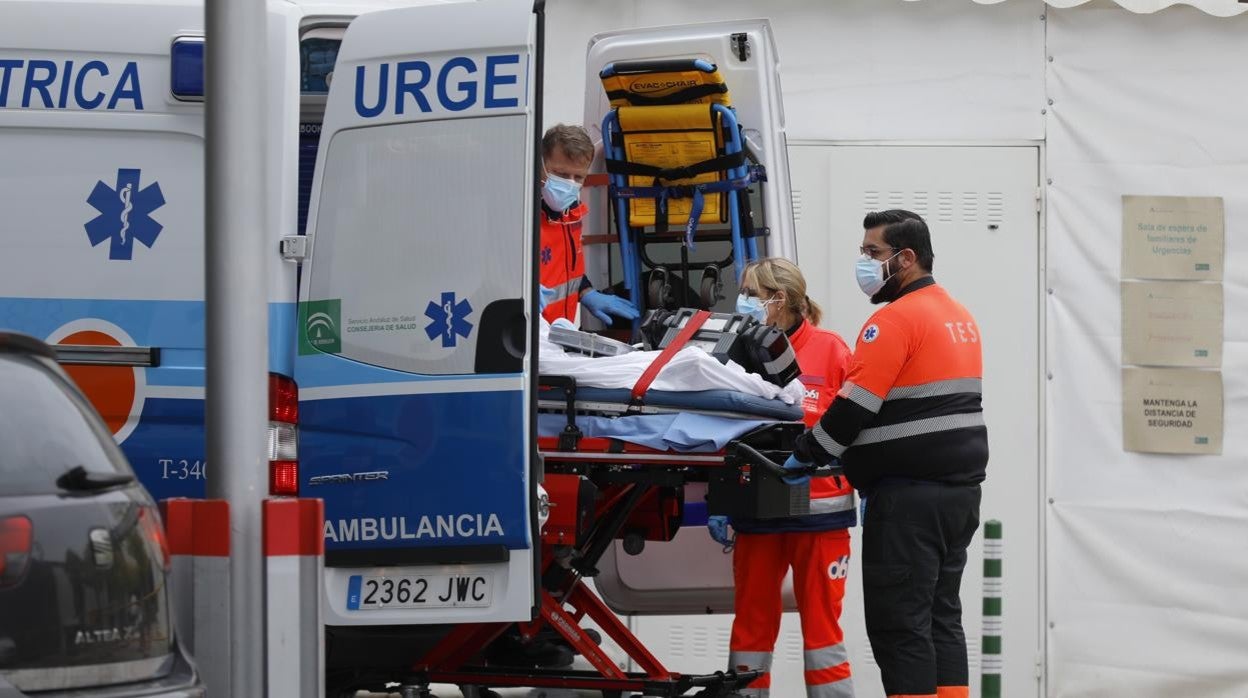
column 1141, row 556
column 1145, row 577
column 854, row 69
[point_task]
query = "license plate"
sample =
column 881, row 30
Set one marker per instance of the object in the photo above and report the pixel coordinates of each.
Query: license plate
column 376, row 592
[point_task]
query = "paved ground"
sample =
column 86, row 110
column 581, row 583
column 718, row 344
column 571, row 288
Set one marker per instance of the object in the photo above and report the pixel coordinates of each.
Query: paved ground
column 452, row 692
column 444, row 691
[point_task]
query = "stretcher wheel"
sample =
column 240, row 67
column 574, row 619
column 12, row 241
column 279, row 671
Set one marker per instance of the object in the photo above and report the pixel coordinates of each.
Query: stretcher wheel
column 634, row 544
column 658, row 289
column 711, row 288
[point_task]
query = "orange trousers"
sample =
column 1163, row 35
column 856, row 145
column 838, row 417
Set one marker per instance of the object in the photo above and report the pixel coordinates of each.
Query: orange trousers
column 820, row 562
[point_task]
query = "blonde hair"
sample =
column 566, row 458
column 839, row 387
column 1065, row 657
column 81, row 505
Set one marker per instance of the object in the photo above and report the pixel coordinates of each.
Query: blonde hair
column 778, row 274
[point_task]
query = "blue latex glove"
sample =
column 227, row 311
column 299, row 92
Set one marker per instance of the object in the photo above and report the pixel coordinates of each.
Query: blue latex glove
column 546, row 295
column 794, row 464
column 718, row 526
column 603, row 306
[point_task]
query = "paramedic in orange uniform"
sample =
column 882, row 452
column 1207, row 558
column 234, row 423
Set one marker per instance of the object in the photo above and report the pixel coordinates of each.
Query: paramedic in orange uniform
column 567, row 153
column 908, row 427
column 816, row 546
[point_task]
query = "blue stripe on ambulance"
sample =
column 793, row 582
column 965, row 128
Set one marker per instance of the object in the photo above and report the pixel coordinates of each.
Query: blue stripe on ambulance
column 166, row 448
column 177, row 327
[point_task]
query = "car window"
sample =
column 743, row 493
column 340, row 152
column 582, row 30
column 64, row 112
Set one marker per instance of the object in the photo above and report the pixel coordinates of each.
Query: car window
column 46, row 428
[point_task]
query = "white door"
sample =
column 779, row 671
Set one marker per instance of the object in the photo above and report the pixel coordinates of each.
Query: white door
column 415, row 383
column 980, row 203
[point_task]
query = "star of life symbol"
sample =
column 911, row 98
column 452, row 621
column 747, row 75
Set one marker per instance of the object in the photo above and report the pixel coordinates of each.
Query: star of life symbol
column 547, row 255
column 869, row 334
column 449, row 319
column 125, row 214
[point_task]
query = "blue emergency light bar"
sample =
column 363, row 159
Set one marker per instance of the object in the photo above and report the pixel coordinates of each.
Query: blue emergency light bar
column 186, row 68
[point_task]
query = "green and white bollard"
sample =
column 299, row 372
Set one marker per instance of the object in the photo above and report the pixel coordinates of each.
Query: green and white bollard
column 990, row 659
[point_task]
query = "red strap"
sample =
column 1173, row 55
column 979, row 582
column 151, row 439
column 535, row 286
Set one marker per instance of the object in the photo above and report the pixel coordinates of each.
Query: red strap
column 652, row 371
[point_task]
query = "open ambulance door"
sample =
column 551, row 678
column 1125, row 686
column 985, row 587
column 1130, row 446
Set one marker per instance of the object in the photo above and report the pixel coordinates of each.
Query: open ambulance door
column 414, row 307
column 691, row 573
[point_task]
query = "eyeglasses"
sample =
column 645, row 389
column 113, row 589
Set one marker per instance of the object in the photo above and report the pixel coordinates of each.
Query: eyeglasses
column 873, row 252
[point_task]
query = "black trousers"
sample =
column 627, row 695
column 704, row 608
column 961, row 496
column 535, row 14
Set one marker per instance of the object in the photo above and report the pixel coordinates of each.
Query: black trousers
column 914, row 541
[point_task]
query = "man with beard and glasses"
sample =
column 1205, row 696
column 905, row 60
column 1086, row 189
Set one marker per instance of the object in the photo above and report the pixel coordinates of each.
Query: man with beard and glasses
column 908, row 427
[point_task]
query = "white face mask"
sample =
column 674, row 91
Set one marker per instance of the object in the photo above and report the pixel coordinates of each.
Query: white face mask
column 754, row 307
column 870, row 273
column 560, row 193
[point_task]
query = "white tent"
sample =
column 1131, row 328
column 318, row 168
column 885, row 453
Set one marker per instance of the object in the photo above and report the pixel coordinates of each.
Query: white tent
column 1220, row 8
column 1125, row 572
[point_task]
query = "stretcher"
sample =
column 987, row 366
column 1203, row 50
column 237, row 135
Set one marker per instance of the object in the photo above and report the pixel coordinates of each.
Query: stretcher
column 675, row 152
column 609, row 485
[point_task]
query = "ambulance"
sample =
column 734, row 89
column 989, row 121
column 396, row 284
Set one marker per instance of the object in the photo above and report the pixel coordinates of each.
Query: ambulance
column 401, row 177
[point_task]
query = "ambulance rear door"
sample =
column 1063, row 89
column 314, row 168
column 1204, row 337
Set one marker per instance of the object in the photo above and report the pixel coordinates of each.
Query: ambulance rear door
column 693, row 574
column 414, row 318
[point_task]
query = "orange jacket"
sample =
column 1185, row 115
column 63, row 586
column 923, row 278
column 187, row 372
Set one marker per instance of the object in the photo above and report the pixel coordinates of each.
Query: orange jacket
column 825, row 360
column 911, row 406
column 561, row 261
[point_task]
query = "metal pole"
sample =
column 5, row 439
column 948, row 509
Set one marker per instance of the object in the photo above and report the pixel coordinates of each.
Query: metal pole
column 237, row 316
column 990, row 662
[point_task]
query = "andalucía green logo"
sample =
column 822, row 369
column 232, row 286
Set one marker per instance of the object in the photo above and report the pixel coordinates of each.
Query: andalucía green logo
column 321, row 322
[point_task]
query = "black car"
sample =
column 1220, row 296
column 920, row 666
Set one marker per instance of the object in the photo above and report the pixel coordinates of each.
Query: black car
column 84, row 599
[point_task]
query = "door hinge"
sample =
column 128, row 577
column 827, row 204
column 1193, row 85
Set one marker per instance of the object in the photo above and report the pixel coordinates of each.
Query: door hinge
column 741, row 46
column 294, row 248
column 1039, row 198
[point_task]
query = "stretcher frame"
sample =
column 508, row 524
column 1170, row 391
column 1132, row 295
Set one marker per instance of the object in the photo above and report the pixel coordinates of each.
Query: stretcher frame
column 634, row 471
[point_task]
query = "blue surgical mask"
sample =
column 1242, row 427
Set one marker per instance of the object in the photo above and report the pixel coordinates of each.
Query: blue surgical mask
column 870, row 273
column 753, row 306
column 560, row 194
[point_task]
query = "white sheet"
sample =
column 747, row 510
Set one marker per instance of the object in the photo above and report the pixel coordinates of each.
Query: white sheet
column 690, row 369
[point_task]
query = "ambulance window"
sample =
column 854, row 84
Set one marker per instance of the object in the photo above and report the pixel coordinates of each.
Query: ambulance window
column 318, row 53
column 420, row 229
column 317, row 57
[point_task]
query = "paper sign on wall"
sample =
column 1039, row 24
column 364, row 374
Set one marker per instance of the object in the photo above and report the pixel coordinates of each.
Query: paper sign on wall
column 1172, row 323
column 1172, row 237
column 1172, row 410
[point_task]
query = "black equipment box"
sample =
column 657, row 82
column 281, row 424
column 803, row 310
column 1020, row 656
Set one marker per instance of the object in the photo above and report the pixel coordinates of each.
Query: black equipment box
column 758, row 348
column 752, row 487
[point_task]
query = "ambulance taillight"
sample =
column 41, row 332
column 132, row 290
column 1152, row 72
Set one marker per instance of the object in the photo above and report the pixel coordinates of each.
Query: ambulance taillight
column 283, row 436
